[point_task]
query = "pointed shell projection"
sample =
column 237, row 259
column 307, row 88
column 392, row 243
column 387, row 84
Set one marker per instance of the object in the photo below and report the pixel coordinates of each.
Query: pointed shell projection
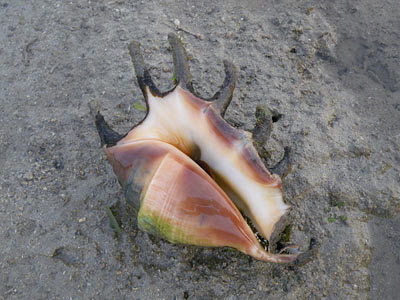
column 187, row 172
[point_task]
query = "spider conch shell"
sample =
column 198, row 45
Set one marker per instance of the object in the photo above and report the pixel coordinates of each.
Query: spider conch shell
column 158, row 165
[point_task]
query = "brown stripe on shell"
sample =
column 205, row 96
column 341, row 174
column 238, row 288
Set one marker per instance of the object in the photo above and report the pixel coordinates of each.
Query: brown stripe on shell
column 197, row 103
column 258, row 168
column 234, row 139
column 225, row 132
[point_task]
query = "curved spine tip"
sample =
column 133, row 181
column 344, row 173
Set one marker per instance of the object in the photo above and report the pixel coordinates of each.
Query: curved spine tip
column 222, row 98
column 142, row 73
column 181, row 63
column 108, row 136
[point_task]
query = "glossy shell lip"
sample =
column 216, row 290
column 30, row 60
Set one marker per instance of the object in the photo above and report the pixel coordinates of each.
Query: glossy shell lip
column 181, row 127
